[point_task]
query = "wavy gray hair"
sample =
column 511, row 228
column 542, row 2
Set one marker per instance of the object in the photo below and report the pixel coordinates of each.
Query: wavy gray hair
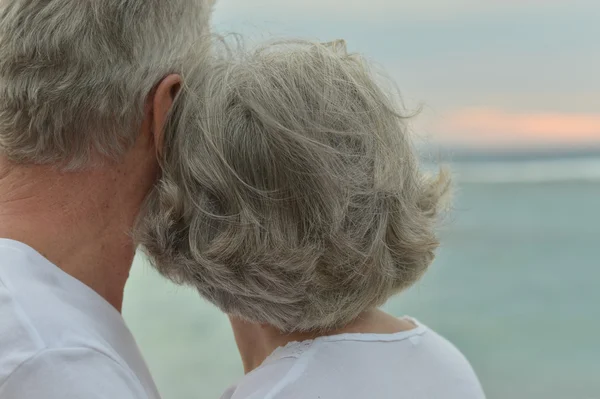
column 291, row 194
column 75, row 74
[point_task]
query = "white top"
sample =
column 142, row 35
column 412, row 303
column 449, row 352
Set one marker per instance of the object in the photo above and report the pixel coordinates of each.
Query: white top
column 416, row 364
column 59, row 339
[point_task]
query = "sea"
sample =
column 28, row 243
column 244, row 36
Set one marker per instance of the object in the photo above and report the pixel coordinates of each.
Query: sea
column 516, row 286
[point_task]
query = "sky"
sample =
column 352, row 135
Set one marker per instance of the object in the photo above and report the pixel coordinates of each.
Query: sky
column 487, row 73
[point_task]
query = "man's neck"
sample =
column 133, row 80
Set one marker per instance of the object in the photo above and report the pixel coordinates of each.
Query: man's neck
column 256, row 342
column 80, row 221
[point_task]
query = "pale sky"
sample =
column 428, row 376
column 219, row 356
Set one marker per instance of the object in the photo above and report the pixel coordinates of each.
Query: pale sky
column 488, row 72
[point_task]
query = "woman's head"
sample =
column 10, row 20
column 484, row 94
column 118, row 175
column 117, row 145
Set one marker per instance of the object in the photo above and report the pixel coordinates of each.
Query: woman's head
column 291, row 193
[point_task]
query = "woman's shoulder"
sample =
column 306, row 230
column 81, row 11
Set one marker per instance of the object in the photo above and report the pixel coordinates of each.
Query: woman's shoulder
column 419, row 362
column 261, row 382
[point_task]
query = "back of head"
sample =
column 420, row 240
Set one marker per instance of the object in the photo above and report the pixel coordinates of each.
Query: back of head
column 74, row 74
column 291, row 194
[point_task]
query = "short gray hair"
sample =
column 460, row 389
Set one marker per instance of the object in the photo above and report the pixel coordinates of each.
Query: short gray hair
column 291, row 192
column 75, row 74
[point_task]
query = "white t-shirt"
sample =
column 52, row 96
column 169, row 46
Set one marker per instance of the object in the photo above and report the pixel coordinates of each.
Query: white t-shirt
column 59, row 339
column 416, row 364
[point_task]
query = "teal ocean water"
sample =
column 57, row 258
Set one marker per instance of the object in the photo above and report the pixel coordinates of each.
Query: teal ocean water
column 515, row 287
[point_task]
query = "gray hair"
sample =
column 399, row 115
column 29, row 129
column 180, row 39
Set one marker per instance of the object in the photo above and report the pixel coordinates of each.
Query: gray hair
column 291, row 193
column 75, row 74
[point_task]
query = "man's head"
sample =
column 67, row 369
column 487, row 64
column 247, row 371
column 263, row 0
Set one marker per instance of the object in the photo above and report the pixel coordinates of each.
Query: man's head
column 85, row 87
column 76, row 75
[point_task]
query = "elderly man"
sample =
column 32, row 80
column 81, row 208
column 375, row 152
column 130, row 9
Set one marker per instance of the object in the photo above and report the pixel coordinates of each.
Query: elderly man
column 84, row 87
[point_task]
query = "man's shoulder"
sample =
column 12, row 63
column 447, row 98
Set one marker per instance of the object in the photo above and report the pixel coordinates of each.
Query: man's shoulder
column 54, row 330
column 41, row 307
column 19, row 338
column 33, row 326
column 64, row 372
column 23, row 346
column 37, row 364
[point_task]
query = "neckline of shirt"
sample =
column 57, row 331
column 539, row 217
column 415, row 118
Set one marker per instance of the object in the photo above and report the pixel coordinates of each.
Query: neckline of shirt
column 45, row 267
column 295, row 349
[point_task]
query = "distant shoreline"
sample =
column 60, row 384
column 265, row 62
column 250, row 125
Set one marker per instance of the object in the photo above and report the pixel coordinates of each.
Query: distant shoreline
column 468, row 155
column 518, row 166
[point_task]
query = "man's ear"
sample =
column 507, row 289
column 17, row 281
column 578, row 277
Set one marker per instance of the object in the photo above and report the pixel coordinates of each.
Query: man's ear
column 164, row 97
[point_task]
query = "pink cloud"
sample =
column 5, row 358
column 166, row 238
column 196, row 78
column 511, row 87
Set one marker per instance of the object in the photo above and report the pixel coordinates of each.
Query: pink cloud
column 494, row 126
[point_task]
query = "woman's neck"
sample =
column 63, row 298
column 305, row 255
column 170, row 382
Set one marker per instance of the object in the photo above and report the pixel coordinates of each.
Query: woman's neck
column 256, row 342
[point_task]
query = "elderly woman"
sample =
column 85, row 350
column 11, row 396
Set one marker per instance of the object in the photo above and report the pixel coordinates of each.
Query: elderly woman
column 292, row 199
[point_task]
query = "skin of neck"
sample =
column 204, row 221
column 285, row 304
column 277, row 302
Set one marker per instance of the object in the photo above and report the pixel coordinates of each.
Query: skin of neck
column 82, row 220
column 256, row 342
